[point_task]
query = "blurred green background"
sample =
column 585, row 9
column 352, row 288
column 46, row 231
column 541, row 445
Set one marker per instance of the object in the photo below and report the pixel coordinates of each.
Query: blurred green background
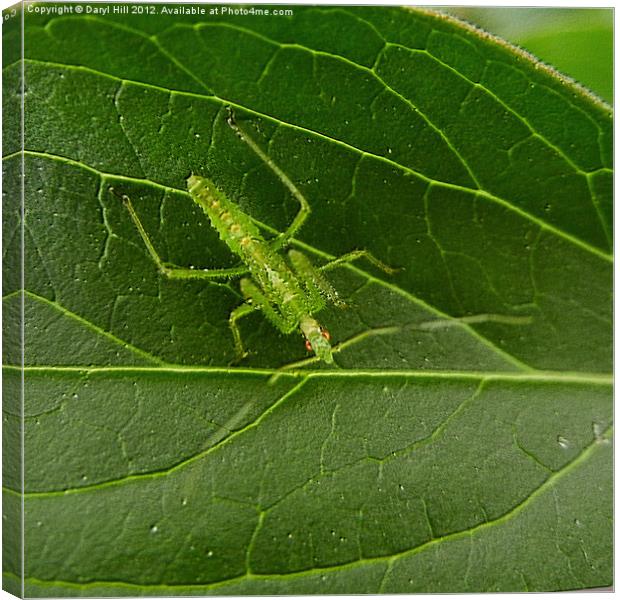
column 576, row 41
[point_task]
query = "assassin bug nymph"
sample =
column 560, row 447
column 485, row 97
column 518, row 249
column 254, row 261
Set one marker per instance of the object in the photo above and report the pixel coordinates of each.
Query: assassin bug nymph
column 289, row 292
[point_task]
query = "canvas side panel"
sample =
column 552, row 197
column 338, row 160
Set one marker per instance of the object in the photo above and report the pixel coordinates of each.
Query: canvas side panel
column 12, row 273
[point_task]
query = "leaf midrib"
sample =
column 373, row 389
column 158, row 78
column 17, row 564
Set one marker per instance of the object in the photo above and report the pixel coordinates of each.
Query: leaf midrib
column 568, row 377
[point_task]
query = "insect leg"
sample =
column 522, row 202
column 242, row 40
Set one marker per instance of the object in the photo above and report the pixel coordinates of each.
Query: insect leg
column 173, row 272
column 316, row 284
column 351, row 256
column 304, row 208
column 235, row 315
column 168, row 269
column 258, row 300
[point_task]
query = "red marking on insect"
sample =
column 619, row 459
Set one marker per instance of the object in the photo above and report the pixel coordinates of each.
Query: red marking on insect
column 324, row 333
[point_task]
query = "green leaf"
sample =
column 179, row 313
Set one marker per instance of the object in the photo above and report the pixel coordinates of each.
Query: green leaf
column 460, row 442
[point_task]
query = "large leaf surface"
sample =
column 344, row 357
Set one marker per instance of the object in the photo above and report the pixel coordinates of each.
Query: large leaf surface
column 437, row 454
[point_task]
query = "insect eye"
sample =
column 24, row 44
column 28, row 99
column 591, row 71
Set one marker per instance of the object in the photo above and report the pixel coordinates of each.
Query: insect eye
column 308, row 346
column 325, row 334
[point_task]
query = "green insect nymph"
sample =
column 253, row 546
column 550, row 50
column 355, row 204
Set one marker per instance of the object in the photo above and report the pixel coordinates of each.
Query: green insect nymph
column 287, row 288
column 287, row 295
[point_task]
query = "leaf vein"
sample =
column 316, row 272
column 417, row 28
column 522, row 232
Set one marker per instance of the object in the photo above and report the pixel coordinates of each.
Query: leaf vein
column 506, row 517
column 487, row 195
column 175, row 467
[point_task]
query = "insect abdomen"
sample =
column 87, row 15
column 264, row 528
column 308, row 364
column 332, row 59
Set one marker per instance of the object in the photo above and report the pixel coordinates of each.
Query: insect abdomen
column 234, row 226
